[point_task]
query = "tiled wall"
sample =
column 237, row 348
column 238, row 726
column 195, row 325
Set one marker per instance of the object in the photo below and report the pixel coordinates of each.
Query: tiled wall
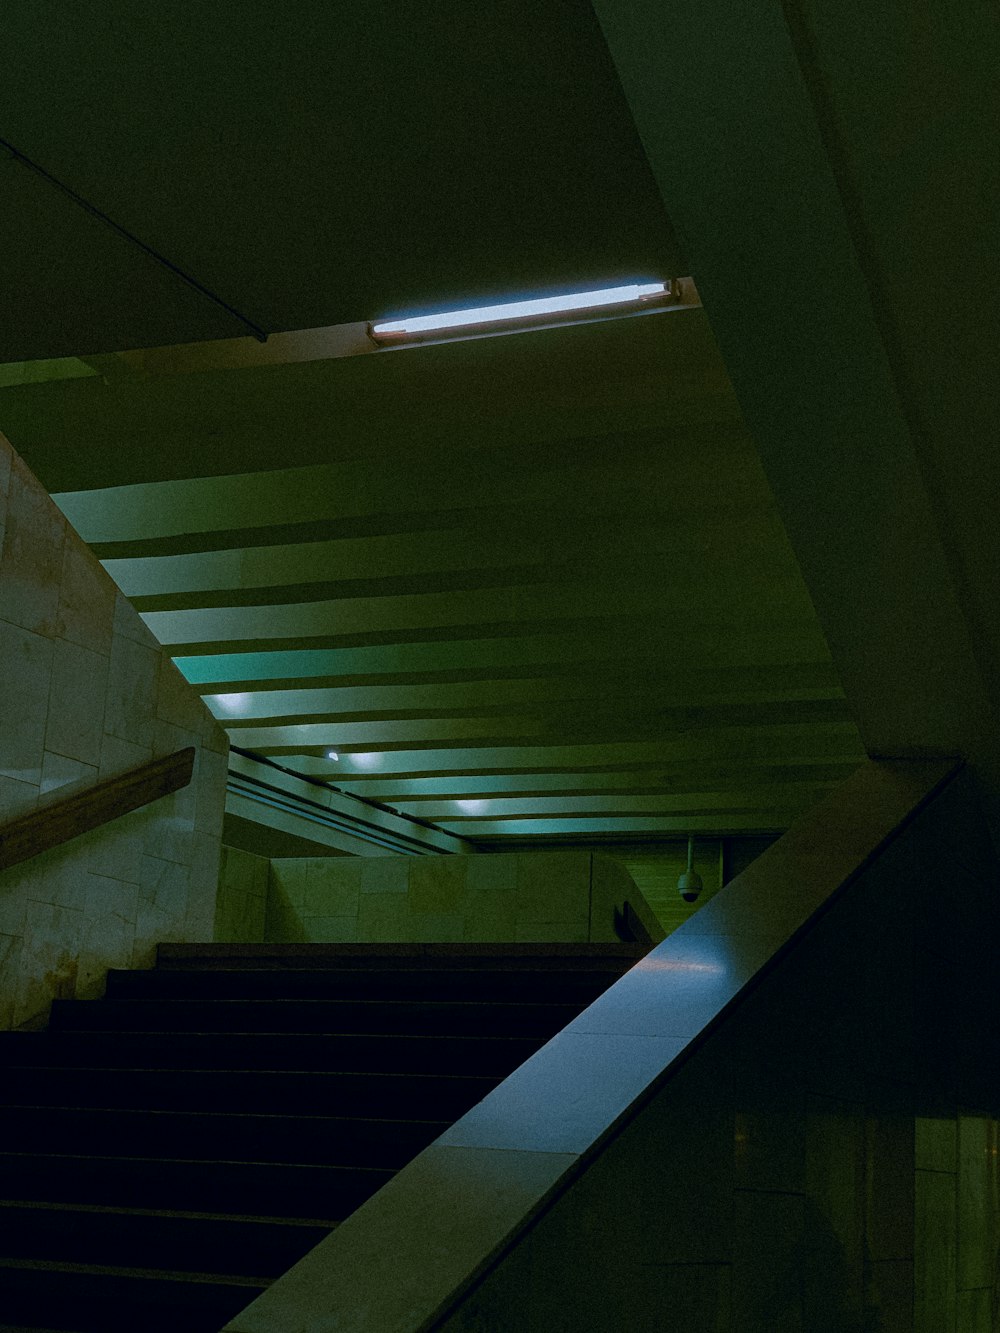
column 88, row 693
column 241, row 908
column 546, row 896
column 827, row 1162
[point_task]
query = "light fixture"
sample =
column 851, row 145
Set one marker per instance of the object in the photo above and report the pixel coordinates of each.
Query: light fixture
column 689, row 884
column 540, row 310
column 472, row 806
column 332, row 754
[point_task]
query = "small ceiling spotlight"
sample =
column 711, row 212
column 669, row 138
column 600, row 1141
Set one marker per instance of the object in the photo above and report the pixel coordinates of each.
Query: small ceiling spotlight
column 689, row 884
column 332, row 754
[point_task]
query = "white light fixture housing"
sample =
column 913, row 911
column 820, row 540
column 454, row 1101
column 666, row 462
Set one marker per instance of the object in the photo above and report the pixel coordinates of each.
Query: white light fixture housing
column 512, row 315
column 332, row 754
column 689, row 884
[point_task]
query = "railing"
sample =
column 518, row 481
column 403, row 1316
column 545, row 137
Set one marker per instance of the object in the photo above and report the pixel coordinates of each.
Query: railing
column 43, row 829
column 820, row 967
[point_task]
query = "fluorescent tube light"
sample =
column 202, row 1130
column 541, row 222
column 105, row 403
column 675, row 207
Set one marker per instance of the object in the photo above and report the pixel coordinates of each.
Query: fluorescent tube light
column 534, row 311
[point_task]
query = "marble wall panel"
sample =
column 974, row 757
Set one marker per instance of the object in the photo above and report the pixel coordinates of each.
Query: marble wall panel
column 89, row 694
column 519, row 897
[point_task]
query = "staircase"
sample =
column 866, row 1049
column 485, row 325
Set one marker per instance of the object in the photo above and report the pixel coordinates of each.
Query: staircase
column 172, row 1148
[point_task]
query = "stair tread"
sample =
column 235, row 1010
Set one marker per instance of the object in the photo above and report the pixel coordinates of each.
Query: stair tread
column 465, row 951
column 333, row 1120
column 173, row 1162
column 267, row 1068
column 142, row 1274
column 174, row 1214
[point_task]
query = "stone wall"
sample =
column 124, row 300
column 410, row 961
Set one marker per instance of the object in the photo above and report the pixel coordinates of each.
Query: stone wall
column 88, row 693
column 537, row 897
column 241, row 909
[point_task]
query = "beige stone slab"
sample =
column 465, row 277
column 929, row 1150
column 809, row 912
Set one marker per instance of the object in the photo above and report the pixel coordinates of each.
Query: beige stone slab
column 977, row 1201
column 437, row 884
column 889, row 1148
column 176, row 700
column 935, row 1253
column 58, row 876
column 27, row 659
column 128, row 624
column 107, row 940
column 6, row 459
column 553, row 886
column 398, row 1261
column 77, row 702
column 768, row 1237
column 888, row 1303
column 130, row 708
column 16, row 798
column 436, row 927
column 86, row 612
column 489, row 915
column 51, row 953
column 385, row 874
column 116, row 850
column 550, row 932
column 495, row 873
column 31, row 559
column 835, row 1187
column 14, row 900
column 319, row 929
column 567, row 1095
column 974, row 1311
column 64, row 775
column 936, row 1142
column 208, row 792
column 384, row 918
column 10, row 970
column 118, row 756
column 769, row 1130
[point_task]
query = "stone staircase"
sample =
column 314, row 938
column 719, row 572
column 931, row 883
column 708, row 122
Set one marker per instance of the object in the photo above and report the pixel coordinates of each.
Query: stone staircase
column 172, row 1148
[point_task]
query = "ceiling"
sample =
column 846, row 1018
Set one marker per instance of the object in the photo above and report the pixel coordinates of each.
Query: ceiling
column 532, row 586
column 308, row 164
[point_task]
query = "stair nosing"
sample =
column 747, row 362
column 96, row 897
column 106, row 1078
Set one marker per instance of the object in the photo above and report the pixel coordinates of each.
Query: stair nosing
column 185, row 1215
column 142, row 1274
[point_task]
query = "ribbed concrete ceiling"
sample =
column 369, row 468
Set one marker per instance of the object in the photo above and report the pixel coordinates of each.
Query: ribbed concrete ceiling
column 524, row 586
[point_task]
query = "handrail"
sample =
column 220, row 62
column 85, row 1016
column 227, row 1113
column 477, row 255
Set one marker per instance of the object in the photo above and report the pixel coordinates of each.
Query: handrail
column 43, row 829
column 490, row 1180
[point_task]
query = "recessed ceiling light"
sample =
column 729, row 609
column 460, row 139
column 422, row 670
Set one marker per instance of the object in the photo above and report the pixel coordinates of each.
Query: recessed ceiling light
column 632, row 295
column 230, row 705
column 331, row 754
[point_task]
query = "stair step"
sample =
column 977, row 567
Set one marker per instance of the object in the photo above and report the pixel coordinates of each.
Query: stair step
column 90, row 1298
column 284, row 1084
column 321, row 1140
column 148, row 1238
column 414, row 1096
column 533, row 984
column 496, row 1056
column 400, row 1017
column 281, row 1189
column 548, row 956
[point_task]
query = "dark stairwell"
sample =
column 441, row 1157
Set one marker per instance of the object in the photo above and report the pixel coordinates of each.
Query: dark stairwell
column 174, row 1147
